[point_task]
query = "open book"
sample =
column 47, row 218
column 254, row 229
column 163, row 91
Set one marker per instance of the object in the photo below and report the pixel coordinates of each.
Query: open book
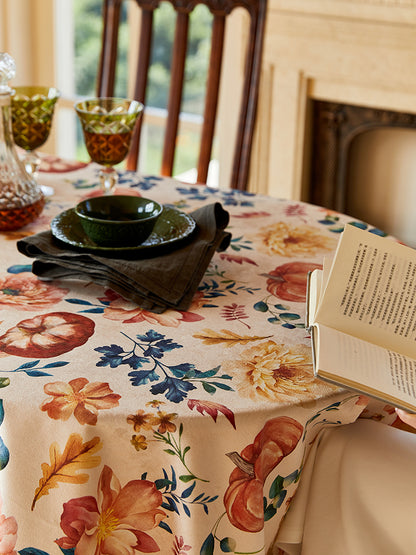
column 361, row 313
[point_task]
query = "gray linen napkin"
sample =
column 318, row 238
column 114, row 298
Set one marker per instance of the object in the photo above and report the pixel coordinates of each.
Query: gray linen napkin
column 163, row 281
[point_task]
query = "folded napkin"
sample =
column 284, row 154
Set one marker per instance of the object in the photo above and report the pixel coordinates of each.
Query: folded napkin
column 162, row 281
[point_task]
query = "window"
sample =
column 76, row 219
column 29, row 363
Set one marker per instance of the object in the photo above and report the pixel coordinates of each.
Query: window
column 58, row 42
column 76, row 76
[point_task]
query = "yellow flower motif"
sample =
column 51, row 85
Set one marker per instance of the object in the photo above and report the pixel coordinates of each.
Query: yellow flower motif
column 275, row 372
column 291, row 241
column 140, row 420
column 139, row 442
column 163, row 421
column 154, row 403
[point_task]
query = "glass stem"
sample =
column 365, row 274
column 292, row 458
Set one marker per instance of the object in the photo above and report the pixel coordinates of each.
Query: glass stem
column 32, row 162
column 108, row 180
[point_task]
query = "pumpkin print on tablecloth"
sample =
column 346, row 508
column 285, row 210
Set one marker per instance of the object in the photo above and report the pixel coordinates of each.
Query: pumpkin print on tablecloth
column 243, row 499
column 47, row 335
column 288, row 281
column 55, row 164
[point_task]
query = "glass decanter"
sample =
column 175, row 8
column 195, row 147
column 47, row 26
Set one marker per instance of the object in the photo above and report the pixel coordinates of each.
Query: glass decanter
column 21, row 199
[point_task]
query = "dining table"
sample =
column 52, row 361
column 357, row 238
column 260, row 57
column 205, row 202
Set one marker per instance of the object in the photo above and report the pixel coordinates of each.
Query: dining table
column 125, row 430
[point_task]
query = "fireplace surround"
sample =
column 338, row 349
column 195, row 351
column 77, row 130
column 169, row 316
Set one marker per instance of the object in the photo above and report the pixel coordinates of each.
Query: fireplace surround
column 334, row 127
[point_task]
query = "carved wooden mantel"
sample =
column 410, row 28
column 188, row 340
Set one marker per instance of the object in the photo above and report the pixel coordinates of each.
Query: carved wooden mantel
column 334, row 127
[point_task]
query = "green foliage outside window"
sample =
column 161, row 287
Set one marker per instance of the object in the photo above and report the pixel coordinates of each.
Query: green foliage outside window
column 88, row 29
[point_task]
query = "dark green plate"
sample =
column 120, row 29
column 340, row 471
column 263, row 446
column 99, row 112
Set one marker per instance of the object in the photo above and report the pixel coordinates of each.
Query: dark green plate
column 172, row 227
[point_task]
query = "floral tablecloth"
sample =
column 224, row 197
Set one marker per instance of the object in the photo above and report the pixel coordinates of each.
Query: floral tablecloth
column 184, row 433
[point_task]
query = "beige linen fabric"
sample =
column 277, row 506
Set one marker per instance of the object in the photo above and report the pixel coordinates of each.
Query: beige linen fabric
column 357, row 495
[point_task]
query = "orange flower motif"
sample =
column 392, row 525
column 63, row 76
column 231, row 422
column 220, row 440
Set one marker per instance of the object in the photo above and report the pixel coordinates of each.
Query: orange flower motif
column 26, row 292
column 116, row 522
column 121, row 310
column 140, row 420
column 80, row 398
column 154, row 403
column 275, row 373
column 139, row 442
column 290, row 241
column 163, row 421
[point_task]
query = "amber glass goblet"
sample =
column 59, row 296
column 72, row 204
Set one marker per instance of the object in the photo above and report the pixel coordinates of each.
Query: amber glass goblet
column 32, row 112
column 108, row 125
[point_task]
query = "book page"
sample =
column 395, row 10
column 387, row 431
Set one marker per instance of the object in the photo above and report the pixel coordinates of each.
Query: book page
column 314, row 288
column 367, row 367
column 317, row 280
column 326, row 270
column 371, row 291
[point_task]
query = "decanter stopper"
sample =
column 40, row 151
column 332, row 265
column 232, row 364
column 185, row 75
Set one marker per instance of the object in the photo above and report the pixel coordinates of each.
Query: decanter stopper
column 21, row 199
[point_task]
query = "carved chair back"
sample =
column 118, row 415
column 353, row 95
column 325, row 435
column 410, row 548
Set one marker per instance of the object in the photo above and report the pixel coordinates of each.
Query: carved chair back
column 220, row 9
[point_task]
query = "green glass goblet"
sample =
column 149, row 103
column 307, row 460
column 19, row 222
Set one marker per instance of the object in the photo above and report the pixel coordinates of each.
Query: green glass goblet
column 32, row 112
column 108, row 125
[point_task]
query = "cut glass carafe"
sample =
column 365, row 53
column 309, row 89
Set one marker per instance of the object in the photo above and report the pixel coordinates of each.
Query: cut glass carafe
column 21, row 199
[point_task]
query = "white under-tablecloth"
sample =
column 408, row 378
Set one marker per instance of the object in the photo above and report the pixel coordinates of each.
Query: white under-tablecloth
column 357, row 494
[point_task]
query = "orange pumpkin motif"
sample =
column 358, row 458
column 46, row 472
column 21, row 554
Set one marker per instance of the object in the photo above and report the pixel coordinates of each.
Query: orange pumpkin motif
column 288, row 281
column 47, row 335
column 243, row 499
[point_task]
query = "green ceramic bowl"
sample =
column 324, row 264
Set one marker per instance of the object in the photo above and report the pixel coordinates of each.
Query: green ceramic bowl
column 118, row 220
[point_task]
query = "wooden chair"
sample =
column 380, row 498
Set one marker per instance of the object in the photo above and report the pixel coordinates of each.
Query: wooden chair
column 220, row 9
